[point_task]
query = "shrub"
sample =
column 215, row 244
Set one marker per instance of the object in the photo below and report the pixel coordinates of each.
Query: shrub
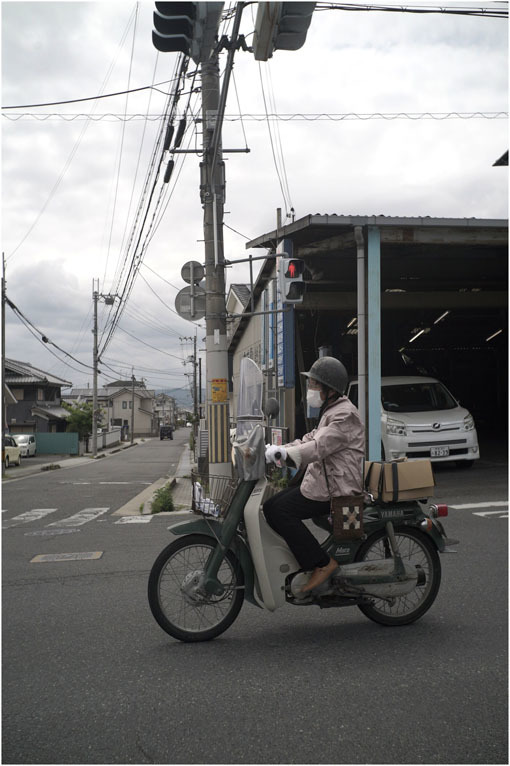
column 163, row 500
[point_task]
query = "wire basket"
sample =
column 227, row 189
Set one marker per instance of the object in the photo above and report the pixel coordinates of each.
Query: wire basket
column 211, row 495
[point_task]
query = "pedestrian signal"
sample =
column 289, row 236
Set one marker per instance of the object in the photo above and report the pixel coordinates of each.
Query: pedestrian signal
column 291, row 283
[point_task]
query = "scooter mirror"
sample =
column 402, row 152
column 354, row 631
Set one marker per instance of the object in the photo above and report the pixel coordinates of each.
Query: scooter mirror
column 271, row 408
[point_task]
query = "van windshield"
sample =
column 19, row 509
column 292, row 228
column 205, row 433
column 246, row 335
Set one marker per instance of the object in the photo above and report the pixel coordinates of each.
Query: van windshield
column 417, row 397
column 22, row 439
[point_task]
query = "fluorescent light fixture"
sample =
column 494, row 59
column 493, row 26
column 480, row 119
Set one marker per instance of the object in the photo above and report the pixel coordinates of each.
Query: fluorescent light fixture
column 425, row 329
column 493, row 335
column 441, row 317
column 353, row 321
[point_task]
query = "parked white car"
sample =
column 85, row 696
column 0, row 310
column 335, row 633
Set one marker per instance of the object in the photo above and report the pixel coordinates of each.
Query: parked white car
column 26, row 443
column 11, row 453
column 420, row 418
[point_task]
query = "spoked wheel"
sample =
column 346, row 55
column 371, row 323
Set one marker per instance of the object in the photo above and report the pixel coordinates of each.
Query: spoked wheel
column 177, row 601
column 416, row 550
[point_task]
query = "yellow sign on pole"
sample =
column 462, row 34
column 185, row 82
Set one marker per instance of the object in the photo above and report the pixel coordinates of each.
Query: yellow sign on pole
column 219, row 390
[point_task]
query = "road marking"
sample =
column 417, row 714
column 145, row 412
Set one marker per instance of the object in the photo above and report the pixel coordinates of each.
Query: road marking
column 82, row 517
column 147, row 483
column 493, row 504
column 42, row 557
column 134, row 519
column 34, row 515
column 491, row 513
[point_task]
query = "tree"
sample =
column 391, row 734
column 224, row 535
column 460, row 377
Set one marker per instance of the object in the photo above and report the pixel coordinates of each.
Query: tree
column 80, row 418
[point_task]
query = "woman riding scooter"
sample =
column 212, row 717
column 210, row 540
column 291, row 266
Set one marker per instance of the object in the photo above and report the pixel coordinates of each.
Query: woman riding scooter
column 333, row 455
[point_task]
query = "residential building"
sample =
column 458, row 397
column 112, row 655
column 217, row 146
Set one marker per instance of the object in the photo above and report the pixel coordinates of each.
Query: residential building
column 37, row 394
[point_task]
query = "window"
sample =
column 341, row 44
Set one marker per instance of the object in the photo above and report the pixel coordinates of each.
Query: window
column 124, row 405
column 130, row 405
column 19, row 393
column 40, row 394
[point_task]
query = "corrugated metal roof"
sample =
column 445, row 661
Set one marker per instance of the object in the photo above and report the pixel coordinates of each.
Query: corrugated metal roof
column 23, row 372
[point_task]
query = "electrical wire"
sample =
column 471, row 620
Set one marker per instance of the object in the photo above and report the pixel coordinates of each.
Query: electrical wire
column 461, row 11
column 42, row 335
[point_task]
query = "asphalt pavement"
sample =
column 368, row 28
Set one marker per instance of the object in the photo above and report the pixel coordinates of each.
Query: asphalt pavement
column 89, row 677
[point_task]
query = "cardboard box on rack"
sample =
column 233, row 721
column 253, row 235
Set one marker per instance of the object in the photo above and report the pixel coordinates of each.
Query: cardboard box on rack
column 414, row 480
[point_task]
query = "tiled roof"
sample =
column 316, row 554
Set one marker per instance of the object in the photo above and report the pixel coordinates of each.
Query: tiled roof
column 23, row 372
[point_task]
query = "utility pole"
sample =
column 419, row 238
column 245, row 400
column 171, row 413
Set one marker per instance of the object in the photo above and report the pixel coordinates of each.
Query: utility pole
column 95, row 298
column 4, row 406
column 213, row 198
column 133, row 407
column 109, row 300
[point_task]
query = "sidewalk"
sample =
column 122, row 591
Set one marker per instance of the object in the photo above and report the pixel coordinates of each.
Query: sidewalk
column 180, row 482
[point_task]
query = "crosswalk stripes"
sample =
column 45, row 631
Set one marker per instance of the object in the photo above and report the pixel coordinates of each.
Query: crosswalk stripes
column 82, row 517
column 24, row 518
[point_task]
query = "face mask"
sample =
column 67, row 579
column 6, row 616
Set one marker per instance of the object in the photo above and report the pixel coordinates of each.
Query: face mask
column 313, row 398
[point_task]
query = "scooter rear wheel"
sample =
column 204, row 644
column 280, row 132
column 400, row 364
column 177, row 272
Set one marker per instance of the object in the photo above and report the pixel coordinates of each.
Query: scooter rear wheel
column 181, row 609
column 416, row 549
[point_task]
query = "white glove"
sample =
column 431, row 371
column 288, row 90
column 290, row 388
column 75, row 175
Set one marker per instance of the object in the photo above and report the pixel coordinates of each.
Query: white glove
column 272, row 451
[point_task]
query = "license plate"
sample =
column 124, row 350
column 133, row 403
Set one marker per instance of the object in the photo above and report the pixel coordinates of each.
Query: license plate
column 439, row 451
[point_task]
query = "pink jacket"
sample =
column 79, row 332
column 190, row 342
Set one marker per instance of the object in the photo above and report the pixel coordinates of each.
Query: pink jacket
column 338, row 442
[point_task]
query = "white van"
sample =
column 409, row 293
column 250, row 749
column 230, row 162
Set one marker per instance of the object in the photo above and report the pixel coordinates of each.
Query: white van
column 26, row 443
column 420, row 418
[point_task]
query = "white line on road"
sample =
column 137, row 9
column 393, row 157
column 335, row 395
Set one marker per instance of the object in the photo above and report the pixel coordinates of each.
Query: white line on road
column 82, row 517
column 491, row 513
column 493, row 504
column 24, row 518
column 134, row 520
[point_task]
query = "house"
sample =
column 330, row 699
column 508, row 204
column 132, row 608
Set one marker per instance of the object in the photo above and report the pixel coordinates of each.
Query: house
column 37, row 394
column 115, row 405
column 165, row 410
column 145, row 421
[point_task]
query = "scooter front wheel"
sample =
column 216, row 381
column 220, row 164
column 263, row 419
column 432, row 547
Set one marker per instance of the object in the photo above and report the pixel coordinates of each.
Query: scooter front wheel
column 178, row 603
column 416, row 550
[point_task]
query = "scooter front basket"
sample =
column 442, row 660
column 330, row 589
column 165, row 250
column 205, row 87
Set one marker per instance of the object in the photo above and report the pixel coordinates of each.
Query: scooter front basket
column 212, row 495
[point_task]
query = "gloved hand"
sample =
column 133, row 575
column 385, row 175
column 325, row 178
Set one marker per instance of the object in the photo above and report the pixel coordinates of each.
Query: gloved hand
column 272, row 450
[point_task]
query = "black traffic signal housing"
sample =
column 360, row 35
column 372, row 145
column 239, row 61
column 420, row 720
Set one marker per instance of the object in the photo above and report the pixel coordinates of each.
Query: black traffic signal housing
column 290, row 277
column 174, row 27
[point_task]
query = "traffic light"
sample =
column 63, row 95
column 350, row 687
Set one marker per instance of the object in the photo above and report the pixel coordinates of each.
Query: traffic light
column 280, row 26
column 189, row 28
column 290, row 275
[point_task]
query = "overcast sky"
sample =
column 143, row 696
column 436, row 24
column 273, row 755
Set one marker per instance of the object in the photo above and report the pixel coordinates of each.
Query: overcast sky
column 71, row 187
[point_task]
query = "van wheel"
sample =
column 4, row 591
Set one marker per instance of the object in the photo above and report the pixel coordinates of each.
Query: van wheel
column 6, row 462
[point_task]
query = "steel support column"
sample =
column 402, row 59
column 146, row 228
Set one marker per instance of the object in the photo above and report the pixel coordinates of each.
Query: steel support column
column 374, row 342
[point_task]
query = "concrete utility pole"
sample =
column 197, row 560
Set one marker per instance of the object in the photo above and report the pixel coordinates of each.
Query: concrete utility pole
column 133, row 407
column 213, row 198
column 109, row 300
column 95, row 298
column 4, row 406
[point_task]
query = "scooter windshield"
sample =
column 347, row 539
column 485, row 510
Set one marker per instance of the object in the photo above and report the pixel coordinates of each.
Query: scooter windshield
column 249, row 403
column 249, row 439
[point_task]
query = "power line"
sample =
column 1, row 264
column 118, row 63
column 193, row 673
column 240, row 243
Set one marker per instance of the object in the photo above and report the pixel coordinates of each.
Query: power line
column 273, row 116
column 90, row 98
column 491, row 12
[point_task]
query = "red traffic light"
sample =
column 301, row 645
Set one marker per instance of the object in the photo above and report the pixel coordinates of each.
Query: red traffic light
column 294, row 268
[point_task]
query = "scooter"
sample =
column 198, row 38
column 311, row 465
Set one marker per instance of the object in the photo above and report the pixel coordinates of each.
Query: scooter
column 198, row 583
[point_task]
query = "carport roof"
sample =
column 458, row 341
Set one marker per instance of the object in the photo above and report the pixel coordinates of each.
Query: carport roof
column 312, row 227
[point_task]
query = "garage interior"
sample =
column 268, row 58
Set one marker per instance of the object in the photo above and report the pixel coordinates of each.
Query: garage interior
column 444, row 304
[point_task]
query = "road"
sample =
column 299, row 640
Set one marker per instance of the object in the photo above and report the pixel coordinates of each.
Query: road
column 89, row 677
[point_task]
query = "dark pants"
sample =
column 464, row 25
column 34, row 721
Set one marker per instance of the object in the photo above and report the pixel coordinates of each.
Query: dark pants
column 284, row 513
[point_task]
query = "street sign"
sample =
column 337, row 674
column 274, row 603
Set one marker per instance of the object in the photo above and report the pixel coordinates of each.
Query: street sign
column 191, row 306
column 192, row 272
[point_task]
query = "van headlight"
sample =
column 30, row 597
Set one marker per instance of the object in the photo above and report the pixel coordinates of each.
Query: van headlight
column 396, row 427
column 469, row 423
